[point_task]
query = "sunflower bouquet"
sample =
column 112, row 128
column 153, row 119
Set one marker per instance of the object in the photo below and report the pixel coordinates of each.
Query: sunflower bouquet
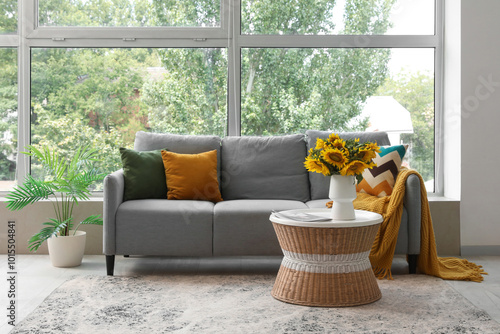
column 335, row 156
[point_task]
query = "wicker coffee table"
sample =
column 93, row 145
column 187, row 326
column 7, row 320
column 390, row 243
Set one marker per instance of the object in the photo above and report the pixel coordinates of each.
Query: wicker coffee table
column 326, row 262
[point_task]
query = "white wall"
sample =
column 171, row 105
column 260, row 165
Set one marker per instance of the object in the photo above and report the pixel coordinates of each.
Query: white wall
column 480, row 146
column 451, row 135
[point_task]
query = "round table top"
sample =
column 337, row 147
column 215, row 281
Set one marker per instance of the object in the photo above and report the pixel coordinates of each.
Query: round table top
column 363, row 218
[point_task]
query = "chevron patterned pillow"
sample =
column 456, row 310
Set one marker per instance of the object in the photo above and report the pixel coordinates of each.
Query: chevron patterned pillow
column 379, row 181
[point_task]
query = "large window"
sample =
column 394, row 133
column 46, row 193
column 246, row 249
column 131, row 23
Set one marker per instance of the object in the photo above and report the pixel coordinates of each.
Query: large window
column 99, row 71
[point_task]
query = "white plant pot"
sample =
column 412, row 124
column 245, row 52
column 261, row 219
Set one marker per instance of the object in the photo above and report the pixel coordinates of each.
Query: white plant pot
column 67, row 251
column 342, row 193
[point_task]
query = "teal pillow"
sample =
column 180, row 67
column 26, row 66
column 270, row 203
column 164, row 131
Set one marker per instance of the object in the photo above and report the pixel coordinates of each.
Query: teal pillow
column 144, row 174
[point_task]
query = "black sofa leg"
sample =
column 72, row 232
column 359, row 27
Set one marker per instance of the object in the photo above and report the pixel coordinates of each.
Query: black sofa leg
column 412, row 263
column 110, row 264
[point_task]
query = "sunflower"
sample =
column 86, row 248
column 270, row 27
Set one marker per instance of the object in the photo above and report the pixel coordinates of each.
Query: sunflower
column 320, row 143
column 314, row 165
column 366, row 154
column 334, row 156
column 333, row 137
column 339, row 143
column 372, row 147
column 355, row 167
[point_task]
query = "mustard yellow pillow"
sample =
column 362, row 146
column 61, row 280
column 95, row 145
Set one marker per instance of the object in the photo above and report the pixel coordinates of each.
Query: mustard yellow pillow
column 192, row 176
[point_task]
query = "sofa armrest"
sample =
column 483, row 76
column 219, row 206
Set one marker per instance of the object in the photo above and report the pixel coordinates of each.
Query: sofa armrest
column 114, row 186
column 412, row 203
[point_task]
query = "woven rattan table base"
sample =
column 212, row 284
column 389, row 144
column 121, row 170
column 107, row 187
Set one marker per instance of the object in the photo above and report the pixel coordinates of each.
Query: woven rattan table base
column 326, row 267
column 327, row 290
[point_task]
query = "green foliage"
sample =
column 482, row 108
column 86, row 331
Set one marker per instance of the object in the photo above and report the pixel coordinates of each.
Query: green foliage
column 31, row 191
column 190, row 96
column 127, row 13
column 53, row 228
column 66, row 181
column 92, row 13
column 90, row 100
column 8, row 16
column 415, row 92
column 97, row 84
column 367, row 17
column 291, row 90
column 66, row 133
column 8, row 112
column 7, row 168
column 193, row 13
column 92, row 220
column 287, row 17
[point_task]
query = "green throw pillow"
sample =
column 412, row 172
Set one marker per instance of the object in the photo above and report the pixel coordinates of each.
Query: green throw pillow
column 144, row 174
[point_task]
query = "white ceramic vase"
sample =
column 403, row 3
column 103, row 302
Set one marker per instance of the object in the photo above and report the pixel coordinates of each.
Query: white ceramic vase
column 67, row 251
column 342, row 193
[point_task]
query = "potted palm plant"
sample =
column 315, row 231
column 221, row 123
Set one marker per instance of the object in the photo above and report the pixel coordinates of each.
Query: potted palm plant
column 66, row 181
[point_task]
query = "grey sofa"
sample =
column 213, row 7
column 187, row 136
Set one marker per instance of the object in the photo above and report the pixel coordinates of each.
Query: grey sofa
column 256, row 175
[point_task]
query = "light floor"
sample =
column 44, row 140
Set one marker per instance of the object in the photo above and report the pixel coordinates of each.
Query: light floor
column 36, row 278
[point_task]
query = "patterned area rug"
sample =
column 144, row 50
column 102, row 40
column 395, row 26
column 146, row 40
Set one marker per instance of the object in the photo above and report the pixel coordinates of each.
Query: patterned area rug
column 243, row 304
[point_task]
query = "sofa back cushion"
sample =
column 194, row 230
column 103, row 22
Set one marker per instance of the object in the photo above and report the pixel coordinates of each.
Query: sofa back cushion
column 264, row 168
column 320, row 184
column 192, row 176
column 144, row 174
column 185, row 144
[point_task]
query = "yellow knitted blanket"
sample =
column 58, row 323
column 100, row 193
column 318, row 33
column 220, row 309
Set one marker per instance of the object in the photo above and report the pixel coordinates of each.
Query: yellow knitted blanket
column 382, row 252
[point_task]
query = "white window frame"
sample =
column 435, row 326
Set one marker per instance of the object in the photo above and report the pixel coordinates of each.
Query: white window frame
column 229, row 36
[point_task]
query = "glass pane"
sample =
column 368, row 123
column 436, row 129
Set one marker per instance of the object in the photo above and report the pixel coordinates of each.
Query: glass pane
column 8, row 118
column 342, row 17
column 291, row 90
column 129, row 13
column 8, row 16
column 409, row 17
column 104, row 96
column 411, row 85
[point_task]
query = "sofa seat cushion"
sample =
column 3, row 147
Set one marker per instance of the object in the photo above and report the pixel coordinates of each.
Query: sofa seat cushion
column 164, row 227
column 264, row 168
column 402, row 245
column 242, row 227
